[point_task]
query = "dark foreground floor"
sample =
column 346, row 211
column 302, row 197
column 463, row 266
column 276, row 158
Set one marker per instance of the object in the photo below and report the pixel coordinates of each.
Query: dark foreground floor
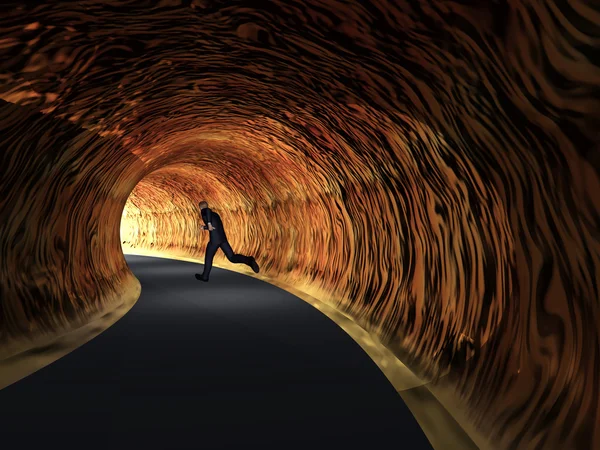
column 231, row 364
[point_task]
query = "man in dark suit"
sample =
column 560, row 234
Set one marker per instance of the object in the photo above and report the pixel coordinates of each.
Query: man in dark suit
column 218, row 239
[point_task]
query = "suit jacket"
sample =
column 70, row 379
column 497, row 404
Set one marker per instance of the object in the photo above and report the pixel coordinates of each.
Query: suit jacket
column 218, row 234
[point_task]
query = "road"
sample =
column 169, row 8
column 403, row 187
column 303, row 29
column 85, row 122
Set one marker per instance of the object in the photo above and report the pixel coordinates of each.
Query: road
column 235, row 363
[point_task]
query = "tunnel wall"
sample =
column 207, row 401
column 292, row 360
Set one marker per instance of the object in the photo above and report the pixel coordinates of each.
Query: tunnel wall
column 431, row 167
column 62, row 264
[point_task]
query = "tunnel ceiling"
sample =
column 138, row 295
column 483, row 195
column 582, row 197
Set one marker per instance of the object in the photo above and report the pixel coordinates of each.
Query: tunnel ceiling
column 430, row 168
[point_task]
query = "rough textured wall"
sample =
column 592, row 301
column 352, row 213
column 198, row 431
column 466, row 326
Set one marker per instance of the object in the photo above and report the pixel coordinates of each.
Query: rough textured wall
column 432, row 166
column 63, row 189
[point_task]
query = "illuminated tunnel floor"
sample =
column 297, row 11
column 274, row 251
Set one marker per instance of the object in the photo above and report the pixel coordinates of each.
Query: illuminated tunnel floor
column 234, row 363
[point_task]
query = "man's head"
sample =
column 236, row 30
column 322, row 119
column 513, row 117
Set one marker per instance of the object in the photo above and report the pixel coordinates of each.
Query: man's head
column 203, row 205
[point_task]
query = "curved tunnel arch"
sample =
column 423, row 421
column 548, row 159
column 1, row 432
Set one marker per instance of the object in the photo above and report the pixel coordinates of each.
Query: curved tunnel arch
column 425, row 142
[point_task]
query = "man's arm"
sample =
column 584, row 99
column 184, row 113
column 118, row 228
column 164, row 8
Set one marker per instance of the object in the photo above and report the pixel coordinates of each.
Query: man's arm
column 209, row 219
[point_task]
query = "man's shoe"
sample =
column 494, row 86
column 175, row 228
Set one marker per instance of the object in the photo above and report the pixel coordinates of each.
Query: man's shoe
column 200, row 277
column 254, row 265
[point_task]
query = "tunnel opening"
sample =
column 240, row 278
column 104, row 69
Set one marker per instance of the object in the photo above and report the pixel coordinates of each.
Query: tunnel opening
column 159, row 214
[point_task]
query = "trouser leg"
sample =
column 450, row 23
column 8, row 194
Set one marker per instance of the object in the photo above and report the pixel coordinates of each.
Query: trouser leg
column 234, row 257
column 211, row 249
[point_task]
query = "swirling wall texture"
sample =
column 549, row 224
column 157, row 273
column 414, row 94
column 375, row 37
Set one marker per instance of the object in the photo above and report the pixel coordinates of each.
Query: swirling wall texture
column 431, row 168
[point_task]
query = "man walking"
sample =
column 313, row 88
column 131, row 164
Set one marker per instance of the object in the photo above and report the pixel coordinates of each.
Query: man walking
column 218, row 239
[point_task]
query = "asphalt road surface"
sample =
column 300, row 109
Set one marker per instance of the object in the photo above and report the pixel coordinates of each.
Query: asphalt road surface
column 235, row 363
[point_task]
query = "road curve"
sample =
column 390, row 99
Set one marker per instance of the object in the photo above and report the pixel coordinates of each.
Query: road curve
column 235, row 363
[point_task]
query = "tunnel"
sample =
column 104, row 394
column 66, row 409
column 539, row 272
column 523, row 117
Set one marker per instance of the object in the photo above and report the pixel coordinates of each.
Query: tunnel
column 428, row 170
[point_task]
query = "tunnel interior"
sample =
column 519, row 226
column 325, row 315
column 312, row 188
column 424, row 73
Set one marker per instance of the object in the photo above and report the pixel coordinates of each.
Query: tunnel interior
column 427, row 168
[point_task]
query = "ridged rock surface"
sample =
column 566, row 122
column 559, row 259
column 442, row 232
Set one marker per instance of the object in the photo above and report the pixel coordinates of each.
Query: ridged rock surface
column 431, row 168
